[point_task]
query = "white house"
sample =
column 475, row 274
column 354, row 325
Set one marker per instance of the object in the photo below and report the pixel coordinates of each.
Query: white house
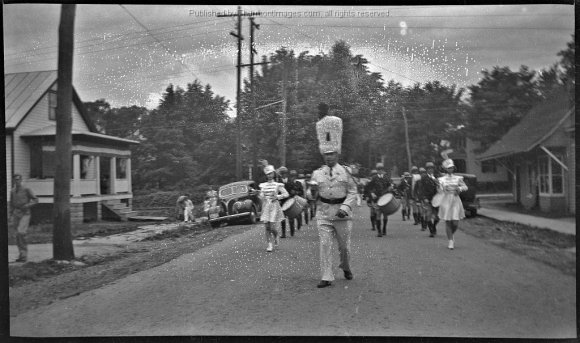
column 101, row 176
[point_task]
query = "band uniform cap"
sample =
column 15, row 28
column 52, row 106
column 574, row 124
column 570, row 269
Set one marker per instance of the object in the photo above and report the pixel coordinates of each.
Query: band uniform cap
column 414, row 168
column 301, row 176
column 269, row 169
column 422, row 170
column 308, row 175
column 374, row 171
column 293, row 172
column 429, row 165
column 380, row 166
column 329, row 134
column 282, row 170
column 448, row 163
column 406, row 174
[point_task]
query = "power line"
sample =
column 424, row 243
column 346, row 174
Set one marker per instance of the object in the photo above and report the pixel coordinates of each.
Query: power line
column 118, row 47
column 114, row 37
column 432, row 27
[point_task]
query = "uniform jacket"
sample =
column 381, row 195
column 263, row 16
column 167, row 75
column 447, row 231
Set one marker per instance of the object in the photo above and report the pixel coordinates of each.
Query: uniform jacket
column 404, row 188
column 338, row 186
column 293, row 187
column 427, row 187
column 379, row 186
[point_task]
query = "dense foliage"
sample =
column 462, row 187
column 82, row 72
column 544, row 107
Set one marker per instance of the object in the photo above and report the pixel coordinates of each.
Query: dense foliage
column 188, row 141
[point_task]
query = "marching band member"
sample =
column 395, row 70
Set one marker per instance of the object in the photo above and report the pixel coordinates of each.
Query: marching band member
column 451, row 208
column 271, row 192
column 405, row 191
column 428, row 186
column 336, row 191
column 379, row 185
column 415, row 205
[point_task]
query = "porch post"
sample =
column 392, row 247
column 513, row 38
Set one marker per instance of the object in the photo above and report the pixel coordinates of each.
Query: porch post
column 113, row 178
column 76, row 189
column 128, row 174
column 98, row 173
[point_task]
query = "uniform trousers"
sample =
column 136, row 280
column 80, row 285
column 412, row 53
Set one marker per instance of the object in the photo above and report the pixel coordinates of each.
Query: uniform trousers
column 20, row 224
column 341, row 230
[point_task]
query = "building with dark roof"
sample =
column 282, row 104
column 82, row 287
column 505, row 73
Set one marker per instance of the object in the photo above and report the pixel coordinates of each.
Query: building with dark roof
column 101, row 177
column 540, row 153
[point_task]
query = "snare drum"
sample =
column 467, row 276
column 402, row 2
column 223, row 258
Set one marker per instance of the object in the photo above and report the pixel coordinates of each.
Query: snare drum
column 291, row 208
column 388, row 204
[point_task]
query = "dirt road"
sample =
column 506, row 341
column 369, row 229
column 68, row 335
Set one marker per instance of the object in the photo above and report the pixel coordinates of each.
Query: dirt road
column 406, row 284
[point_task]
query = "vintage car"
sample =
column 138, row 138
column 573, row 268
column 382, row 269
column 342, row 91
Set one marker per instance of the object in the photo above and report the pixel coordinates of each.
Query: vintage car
column 237, row 202
column 469, row 198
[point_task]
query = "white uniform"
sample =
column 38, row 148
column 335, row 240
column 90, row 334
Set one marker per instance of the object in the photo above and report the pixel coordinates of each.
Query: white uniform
column 339, row 185
column 451, row 207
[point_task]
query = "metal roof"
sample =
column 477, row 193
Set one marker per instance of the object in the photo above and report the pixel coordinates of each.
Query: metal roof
column 51, row 131
column 22, row 91
column 537, row 126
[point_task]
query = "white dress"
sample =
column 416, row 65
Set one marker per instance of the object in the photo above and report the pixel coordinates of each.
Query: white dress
column 451, row 207
column 271, row 193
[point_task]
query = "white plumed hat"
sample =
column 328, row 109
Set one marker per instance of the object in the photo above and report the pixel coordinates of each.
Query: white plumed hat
column 269, row 169
column 448, row 163
column 329, row 133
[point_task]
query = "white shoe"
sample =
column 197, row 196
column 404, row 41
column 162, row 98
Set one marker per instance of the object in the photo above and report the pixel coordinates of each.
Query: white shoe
column 270, row 248
column 450, row 244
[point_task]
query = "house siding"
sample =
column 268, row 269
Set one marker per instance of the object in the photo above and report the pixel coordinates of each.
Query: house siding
column 38, row 118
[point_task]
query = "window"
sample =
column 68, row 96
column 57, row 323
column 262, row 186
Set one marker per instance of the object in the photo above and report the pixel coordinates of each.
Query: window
column 531, row 178
column 557, row 176
column 48, row 164
column 121, row 168
column 551, row 176
column 488, row 166
column 460, row 165
column 52, row 105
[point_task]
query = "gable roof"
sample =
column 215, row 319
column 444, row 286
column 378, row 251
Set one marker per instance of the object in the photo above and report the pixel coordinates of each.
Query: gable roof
column 537, row 126
column 23, row 90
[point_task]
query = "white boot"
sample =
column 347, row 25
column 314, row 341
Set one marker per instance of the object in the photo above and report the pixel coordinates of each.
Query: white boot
column 450, row 244
column 270, row 248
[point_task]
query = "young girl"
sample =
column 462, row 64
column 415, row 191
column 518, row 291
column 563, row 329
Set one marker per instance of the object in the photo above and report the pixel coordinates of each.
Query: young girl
column 451, row 208
column 271, row 193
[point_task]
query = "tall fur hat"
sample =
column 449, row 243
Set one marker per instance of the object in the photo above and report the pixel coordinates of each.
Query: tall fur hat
column 329, row 133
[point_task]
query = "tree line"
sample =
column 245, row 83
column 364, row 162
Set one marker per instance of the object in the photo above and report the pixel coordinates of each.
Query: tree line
column 188, row 140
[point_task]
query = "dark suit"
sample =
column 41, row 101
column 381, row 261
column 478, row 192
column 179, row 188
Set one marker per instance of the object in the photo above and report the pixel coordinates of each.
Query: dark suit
column 426, row 190
column 379, row 186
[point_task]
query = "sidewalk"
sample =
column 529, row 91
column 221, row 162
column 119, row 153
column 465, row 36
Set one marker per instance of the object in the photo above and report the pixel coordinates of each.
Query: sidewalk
column 95, row 245
column 567, row 226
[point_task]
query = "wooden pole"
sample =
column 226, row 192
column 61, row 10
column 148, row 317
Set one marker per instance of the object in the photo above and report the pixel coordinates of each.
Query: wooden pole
column 253, row 95
column 284, row 104
column 410, row 163
column 62, row 247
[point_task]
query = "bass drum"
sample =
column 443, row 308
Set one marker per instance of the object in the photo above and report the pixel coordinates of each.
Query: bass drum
column 388, row 204
column 291, row 208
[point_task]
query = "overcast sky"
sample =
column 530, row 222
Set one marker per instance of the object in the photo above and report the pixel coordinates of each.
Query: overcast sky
column 130, row 61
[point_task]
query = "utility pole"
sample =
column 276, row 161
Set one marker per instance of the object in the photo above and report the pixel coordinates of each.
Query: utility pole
column 239, row 66
column 253, row 94
column 62, row 247
column 284, row 104
column 238, row 35
column 407, row 140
